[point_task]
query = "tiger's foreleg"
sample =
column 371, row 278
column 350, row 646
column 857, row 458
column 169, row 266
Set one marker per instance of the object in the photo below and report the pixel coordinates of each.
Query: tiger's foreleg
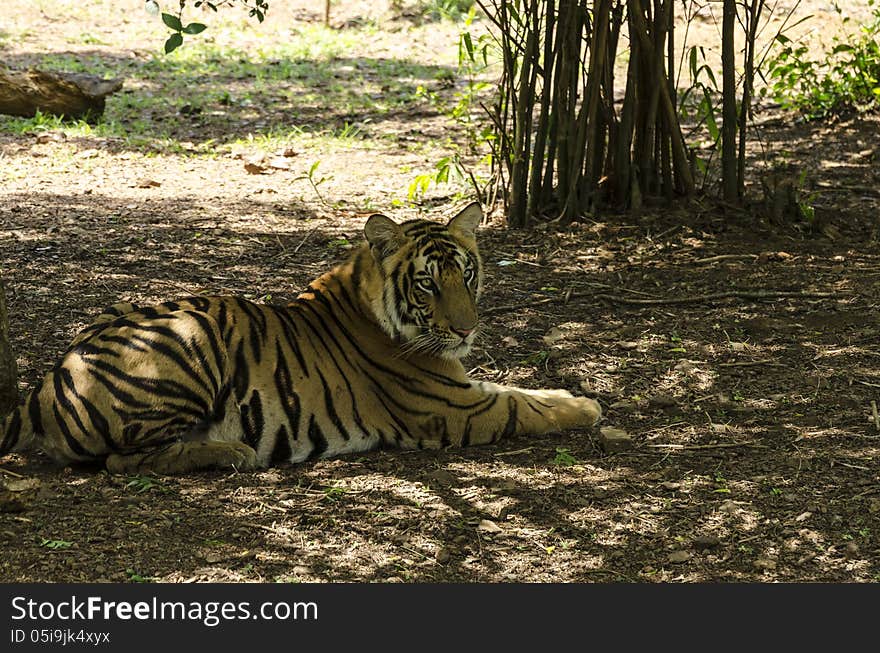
column 507, row 411
column 182, row 457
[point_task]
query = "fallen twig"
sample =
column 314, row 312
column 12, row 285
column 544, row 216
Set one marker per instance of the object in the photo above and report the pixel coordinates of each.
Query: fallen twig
column 515, row 452
column 697, row 447
column 729, row 294
column 696, row 299
column 6, row 471
column 868, row 383
column 764, row 361
column 307, row 236
column 725, row 257
column 876, row 416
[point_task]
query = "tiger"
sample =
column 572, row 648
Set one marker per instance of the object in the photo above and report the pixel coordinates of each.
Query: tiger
column 368, row 355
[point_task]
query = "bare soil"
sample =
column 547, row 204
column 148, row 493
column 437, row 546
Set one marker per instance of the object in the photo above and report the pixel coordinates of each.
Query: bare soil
column 754, row 450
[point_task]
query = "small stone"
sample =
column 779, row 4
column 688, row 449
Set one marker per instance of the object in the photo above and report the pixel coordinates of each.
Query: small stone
column 627, row 345
column 662, row 401
column 625, row 406
column 488, row 526
column 148, row 183
column 443, row 555
column 279, row 163
column 728, row 506
column 18, row 494
column 510, row 342
column 441, row 477
column 706, row 541
column 851, row 550
column 767, row 564
column 677, row 557
column 553, row 336
column 614, row 440
column 671, row 485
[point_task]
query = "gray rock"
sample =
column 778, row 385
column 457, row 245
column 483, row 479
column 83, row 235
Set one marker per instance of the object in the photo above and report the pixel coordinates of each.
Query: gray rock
column 677, row 557
column 614, row 440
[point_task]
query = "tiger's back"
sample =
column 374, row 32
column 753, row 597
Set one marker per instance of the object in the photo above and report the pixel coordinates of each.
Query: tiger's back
column 368, row 354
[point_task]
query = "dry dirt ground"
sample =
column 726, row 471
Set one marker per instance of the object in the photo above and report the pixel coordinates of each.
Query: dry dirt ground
column 754, row 451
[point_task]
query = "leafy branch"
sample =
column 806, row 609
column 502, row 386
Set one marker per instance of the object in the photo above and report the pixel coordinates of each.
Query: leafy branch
column 256, row 9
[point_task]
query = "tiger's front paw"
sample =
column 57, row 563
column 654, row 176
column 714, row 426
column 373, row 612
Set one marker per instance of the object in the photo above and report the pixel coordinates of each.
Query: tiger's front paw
column 576, row 412
column 589, row 410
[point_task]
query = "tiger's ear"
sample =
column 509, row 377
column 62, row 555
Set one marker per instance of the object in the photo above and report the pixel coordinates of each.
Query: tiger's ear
column 467, row 221
column 383, row 234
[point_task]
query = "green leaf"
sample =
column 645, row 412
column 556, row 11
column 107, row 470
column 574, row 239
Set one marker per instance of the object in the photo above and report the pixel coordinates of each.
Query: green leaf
column 174, row 41
column 172, row 21
column 469, row 44
column 194, row 28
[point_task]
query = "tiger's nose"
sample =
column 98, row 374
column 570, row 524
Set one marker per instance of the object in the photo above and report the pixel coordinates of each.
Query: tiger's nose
column 464, row 333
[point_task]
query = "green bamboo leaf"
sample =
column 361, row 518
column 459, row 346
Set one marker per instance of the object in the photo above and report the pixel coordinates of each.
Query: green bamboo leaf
column 468, row 44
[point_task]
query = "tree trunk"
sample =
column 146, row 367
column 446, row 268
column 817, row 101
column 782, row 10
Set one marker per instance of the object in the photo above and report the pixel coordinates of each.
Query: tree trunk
column 8, row 371
column 71, row 95
column 729, row 187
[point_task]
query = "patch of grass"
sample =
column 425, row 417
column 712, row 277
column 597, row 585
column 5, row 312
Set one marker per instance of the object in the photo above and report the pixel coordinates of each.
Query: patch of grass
column 334, row 493
column 563, row 458
column 536, row 359
column 144, row 484
column 55, row 544
column 135, row 577
column 221, row 93
column 845, row 78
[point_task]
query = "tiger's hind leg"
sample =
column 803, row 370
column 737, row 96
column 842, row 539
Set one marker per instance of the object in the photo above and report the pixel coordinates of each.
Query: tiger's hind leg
column 182, row 457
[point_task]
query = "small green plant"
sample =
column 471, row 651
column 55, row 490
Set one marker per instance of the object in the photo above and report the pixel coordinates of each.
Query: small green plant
column 843, row 79
column 563, row 457
column 449, row 168
column 447, row 9
column 538, row 358
column 473, row 60
column 55, row 544
column 334, row 493
column 339, row 243
column 700, row 102
column 144, row 484
column 135, row 577
column 721, row 482
column 315, row 181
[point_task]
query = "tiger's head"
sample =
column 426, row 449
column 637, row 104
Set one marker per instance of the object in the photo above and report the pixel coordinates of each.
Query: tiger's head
column 431, row 277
